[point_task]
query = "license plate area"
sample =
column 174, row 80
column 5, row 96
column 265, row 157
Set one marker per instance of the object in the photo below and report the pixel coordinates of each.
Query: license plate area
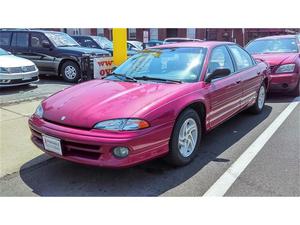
column 52, row 144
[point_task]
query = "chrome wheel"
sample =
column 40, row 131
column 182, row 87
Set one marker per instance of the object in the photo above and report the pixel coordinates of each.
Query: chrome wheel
column 261, row 97
column 70, row 72
column 188, row 136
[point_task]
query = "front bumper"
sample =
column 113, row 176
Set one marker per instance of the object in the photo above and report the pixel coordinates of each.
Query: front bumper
column 15, row 79
column 94, row 147
column 286, row 82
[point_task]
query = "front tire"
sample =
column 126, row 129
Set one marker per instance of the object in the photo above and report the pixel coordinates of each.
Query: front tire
column 185, row 140
column 296, row 91
column 260, row 100
column 70, row 71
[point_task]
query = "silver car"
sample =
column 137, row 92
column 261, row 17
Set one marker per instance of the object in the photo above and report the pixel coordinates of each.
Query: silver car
column 16, row 71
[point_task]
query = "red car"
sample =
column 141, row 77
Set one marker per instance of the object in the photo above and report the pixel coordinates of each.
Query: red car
column 283, row 55
column 157, row 103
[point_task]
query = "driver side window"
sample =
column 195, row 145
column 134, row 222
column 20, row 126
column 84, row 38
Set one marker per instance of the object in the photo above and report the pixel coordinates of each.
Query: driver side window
column 220, row 59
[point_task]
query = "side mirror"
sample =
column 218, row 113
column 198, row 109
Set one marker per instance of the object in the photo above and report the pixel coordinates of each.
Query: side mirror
column 46, row 44
column 218, row 73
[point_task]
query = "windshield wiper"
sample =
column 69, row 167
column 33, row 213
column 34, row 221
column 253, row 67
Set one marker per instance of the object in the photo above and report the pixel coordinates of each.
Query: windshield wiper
column 158, row 79
column 118, row 75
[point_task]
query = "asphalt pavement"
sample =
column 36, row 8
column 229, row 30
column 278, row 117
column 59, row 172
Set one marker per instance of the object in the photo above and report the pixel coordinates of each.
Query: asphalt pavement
column 275, row 170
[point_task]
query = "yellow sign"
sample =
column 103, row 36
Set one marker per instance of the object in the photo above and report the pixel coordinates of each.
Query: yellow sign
column 120, row 45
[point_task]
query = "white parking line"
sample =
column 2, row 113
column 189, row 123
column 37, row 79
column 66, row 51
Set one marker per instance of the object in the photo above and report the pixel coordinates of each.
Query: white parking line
column 221, row 186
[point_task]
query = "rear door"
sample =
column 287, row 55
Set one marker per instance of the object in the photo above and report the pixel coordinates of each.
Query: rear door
column 224, row 93
column 20, row 44
column 248, row 71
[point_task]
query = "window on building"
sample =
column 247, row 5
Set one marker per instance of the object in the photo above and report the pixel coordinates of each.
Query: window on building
column 132, row 33
column 153, row 34
column 191, row 33
column 100, row 32
column 20, row 39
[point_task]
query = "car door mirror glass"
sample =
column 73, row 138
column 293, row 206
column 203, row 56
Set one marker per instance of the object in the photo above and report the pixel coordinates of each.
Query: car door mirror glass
column 218, row 73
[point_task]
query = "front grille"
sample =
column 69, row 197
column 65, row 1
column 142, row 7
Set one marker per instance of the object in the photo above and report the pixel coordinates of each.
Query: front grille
column 70, row 148
column 21, row 69
column 20, row 81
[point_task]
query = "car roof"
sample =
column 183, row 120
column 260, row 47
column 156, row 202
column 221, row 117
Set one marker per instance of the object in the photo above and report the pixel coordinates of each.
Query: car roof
column 30, row 30
column 277, row 37
column 194, row 44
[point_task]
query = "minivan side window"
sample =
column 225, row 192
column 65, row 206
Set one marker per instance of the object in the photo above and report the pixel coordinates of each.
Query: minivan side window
column 37, row 39
column 20, row 39
column 220, row 58
column 5, row 38
column 242, row 58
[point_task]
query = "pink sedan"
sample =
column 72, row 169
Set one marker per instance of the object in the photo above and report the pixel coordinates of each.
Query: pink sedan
column 282, row 53
column 156, row 104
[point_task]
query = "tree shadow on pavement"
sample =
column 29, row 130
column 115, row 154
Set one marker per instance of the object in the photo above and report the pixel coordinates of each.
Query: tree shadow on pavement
column 57, row 177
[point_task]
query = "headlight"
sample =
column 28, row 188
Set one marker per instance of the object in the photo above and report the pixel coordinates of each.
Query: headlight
column 287, row 68
column 122, row 124
column 39, row 111
column 3, row 70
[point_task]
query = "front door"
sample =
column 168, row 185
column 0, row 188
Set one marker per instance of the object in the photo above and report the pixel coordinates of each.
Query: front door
column 224, row 93
column 43, row 57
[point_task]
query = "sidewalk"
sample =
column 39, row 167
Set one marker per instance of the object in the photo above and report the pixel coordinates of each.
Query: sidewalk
column 16, row 148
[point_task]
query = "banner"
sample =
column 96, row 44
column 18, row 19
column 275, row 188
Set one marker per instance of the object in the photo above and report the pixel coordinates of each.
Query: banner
column 103, row 66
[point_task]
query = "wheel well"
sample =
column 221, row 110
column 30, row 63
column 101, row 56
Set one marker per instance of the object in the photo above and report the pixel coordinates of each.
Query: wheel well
column 266, row 83
column 62, row 62
column 199, row 107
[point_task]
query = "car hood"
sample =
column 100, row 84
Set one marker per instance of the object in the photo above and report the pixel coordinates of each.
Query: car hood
column 86, row 104
column 14, row 61
column 277, row 58
column 84, row 50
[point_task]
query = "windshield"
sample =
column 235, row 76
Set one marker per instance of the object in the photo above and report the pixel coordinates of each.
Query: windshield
column 61, row 39
column 3, row 52
column 103, row 42
column 181, row 64
column 284, row 45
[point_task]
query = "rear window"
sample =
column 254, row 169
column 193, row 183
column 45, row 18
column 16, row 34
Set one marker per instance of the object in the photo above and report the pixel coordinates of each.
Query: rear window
column 282, row 45
column 20, row 40
column 5, row 38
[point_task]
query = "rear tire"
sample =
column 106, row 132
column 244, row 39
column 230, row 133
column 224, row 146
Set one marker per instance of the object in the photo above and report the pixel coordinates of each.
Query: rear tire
column 70, row 71
column 185, row 139
column 260, row 100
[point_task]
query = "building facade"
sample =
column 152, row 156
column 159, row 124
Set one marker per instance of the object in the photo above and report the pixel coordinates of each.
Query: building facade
column 238, row 35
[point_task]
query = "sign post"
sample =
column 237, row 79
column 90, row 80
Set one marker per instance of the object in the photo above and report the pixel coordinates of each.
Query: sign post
column 120, row 45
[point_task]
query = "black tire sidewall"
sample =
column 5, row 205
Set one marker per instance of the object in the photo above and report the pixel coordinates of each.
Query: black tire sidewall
column 70, row 63
column 174, row 157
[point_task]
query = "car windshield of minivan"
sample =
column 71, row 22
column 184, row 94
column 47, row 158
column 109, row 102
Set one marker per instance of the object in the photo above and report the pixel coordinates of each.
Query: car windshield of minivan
column 284, row 45
column 61, row 40
column 3, row 52
column 166, row 64
column 103, row 42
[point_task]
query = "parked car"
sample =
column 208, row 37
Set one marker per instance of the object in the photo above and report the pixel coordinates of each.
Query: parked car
column 135, row 45
column 53, row 52
column 153, row 43
column 176, row 40
column 16, row 71
column 283, row 55
column 98, row 42
column 169, row 96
